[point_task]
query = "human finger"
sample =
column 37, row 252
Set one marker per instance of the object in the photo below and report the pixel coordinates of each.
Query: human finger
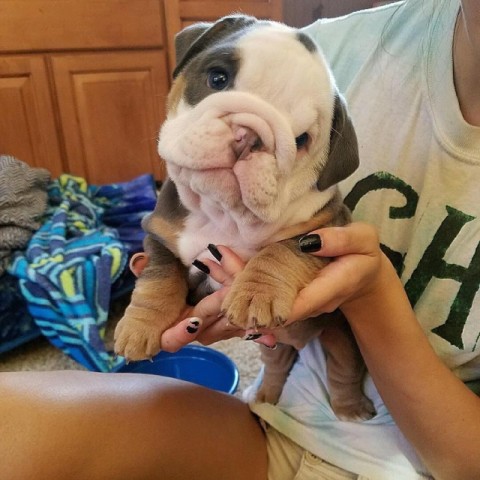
column 219, row 330
column 227, row 265
column 268, row 339
column 358, row 237
column 223, row 330
column 181, row 334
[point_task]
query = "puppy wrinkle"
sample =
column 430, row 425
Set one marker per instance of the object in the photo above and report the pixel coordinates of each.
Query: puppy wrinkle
column 302, row 268
column 264, row 292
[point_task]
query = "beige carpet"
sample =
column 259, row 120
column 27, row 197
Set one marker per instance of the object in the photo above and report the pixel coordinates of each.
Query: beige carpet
column 39, row 355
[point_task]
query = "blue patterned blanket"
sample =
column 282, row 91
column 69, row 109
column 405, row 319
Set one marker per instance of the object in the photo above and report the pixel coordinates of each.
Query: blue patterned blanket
column 70, row 268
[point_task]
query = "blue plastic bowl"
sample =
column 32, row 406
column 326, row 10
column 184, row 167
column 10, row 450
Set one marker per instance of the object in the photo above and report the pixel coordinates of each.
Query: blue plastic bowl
column 201, row 365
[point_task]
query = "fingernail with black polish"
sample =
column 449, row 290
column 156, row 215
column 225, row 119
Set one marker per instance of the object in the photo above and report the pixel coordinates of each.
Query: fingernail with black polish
column 214, row 251
column 193, row 325
column 201, row 266
column 252, row 336
column 310, row 243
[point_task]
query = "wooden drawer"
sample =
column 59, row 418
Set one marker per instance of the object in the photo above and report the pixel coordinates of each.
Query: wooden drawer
column 80, row 24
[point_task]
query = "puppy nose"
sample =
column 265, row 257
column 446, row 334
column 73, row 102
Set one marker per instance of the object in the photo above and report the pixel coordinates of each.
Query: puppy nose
column 245, row 141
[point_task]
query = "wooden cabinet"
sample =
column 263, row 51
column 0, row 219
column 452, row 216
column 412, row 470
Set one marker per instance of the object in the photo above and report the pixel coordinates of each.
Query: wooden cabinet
column 27, row 118
column 83, row 83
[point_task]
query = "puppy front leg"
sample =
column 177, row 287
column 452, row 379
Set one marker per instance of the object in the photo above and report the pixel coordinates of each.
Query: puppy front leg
column 157, row 301
column 263, row 293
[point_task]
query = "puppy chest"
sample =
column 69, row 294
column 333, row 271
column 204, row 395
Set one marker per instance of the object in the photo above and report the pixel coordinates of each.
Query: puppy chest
column 199, row 233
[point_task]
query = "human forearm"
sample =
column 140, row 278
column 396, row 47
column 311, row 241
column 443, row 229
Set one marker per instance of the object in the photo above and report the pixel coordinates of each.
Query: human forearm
column 434, row 410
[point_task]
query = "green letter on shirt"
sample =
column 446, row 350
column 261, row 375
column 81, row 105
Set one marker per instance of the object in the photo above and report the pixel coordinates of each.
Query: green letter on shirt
column 433, row 265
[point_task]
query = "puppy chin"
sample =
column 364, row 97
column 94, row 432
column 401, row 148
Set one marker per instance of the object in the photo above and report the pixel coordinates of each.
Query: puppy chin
column 258, row 179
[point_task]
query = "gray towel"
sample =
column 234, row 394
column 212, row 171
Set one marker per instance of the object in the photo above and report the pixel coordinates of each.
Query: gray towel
column 23, row 201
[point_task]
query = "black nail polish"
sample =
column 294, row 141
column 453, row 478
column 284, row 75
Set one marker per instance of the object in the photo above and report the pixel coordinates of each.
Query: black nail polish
column 193, row 326
column 201, row 266
column 310, row 243
column 214, row 251
column 252, row 336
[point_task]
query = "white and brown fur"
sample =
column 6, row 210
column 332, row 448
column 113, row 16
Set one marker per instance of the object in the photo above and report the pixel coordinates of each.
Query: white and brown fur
column 255, row 141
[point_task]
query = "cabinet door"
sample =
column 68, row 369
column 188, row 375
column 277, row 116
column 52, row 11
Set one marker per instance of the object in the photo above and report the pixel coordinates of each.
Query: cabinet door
column 180, row 13
column 111, row 106
column 27, row 121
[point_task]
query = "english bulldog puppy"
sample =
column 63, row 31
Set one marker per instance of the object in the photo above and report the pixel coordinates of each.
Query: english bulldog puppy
column 256, row 138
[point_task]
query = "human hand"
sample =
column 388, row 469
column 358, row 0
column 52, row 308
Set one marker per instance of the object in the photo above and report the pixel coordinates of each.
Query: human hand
column 204, row 322
column 356, row 272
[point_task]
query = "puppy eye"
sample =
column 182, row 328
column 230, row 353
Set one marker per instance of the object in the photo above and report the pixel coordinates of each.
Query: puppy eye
column 217, row 79
column 302, row 140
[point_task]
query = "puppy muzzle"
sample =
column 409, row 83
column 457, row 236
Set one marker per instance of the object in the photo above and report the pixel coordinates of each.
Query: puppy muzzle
column 226, row 127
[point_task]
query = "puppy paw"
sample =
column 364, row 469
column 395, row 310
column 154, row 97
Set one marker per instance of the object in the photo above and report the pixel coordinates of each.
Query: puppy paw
column 358, row 411
column 255, row 304
column 137, row 339
column 268, row 393
column 155, row 305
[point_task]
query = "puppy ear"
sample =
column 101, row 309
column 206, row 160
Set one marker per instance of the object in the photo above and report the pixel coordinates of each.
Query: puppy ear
column 195, row 38
column 343, row 158
column 186, row 38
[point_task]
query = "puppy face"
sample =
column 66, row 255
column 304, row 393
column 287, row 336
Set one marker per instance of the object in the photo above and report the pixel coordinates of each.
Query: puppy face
column 250, row 119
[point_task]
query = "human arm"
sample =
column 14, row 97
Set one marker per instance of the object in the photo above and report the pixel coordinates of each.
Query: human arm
column 431, row 406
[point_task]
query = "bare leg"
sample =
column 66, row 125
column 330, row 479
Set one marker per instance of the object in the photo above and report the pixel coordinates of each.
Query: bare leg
column 92, row 426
